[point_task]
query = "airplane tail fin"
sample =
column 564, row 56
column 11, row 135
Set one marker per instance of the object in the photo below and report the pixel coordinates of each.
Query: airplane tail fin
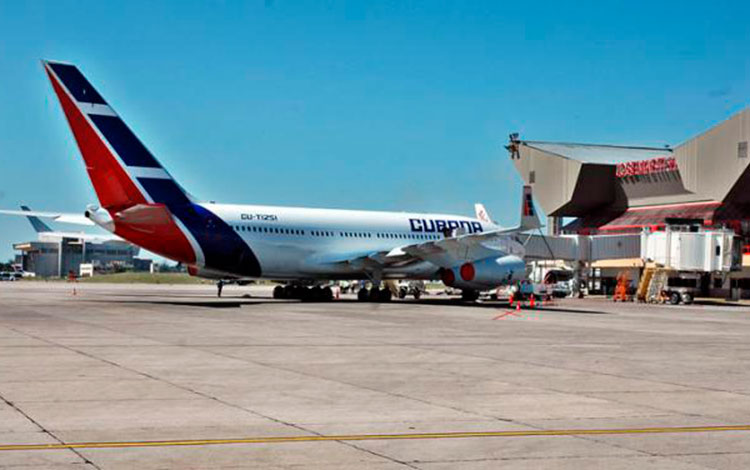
column 146, row 206
column 481, row 213
column 122, row 170
column 130, row 183
column 529, row 218
column 36, row 222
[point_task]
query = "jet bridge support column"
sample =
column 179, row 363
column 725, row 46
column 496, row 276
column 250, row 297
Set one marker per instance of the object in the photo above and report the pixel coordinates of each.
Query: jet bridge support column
column 554, row 225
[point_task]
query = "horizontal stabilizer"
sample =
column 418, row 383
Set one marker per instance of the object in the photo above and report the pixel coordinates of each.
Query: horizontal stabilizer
column 65, row 218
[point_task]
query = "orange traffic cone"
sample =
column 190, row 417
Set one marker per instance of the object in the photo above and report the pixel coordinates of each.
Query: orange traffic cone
column 531, row 301
column 518, row 306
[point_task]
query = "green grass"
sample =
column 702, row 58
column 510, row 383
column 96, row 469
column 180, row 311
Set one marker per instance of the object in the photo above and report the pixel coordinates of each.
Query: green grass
column 145, row 278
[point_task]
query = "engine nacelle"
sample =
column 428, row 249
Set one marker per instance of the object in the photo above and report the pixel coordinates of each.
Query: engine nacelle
column 485, row 274
column 100, row 217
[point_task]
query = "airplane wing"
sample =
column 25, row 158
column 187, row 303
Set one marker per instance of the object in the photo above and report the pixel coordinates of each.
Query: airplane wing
column 445, row 252
column 454, row 250
column 373, row 259
column 66, row 218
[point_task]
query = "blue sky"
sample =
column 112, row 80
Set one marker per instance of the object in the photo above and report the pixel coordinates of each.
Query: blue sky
column 374, row 105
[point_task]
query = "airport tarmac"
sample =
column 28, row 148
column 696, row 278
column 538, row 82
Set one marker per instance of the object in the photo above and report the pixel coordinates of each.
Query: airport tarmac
column 158, row 377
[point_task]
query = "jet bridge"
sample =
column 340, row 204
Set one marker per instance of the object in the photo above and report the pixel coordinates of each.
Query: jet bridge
column 675, row 248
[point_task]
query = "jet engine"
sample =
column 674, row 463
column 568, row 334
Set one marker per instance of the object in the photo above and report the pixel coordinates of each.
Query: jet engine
column 485, row 274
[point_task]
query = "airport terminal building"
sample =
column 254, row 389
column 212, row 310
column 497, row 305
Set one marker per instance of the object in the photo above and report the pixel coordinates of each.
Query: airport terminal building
column 593, row 191
column 56, row 257
column 620, row 189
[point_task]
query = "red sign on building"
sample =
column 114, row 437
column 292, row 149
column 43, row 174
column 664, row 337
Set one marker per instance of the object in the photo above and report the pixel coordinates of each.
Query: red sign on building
column 646, row 167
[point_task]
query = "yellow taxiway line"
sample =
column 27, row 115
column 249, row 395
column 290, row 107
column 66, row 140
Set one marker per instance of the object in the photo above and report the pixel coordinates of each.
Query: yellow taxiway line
column 374, row 437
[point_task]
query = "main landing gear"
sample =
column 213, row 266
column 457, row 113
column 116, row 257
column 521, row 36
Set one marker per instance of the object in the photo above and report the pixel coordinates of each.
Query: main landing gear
column 306, row 294
column 374, row 295
column 469, row 295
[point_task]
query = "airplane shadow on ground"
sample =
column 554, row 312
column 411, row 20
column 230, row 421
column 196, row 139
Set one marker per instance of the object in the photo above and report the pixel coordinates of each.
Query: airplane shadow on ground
column 240, row 301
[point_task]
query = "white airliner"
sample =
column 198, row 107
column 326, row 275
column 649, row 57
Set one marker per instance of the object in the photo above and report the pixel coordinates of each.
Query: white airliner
column 141, row 202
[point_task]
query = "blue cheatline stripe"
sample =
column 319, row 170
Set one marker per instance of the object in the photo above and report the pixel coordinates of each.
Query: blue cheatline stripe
column 223, row 249
column 77, row 84
column 126, row 144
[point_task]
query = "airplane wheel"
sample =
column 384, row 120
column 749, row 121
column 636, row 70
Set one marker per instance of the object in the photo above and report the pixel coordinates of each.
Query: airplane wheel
column 402, row 293
column 307, row 294
column 417, row 295
column 469, row 295
column 374, row 295
column 327, row 294
column 385, row 295
column 289, row 292
column 279, row 292
column 317, row 295
column 363, row 295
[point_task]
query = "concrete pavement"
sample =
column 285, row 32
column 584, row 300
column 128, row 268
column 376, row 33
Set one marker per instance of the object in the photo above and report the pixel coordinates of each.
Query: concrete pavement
column 132, row 364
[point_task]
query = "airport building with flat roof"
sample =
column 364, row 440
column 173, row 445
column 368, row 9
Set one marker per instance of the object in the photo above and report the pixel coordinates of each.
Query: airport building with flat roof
column 620, row 189
column 56, row 258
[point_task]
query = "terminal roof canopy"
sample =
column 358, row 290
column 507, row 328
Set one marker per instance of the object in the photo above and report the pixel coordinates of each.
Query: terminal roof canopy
column 592, row 153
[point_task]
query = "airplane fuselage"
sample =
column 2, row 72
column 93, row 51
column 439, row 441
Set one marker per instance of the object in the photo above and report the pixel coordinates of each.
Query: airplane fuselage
column 295, row 242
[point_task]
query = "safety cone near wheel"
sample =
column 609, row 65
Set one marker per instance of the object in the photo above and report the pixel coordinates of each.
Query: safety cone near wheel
column 531, row 301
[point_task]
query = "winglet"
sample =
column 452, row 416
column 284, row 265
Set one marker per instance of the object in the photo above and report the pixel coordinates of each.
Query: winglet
column 38, row 225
